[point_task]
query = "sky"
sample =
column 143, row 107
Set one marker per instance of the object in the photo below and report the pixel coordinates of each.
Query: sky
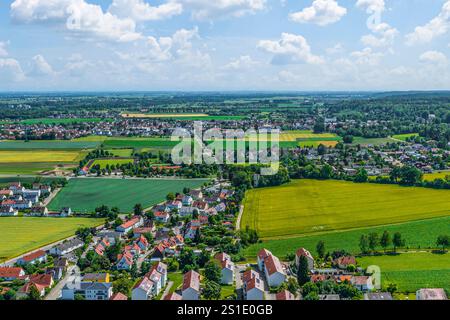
column 229, row 45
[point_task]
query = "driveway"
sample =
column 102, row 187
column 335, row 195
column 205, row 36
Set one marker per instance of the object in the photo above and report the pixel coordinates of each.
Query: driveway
column 72, row 275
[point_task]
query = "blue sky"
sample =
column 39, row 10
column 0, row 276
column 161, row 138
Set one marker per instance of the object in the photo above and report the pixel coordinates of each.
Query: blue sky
column 224, row 45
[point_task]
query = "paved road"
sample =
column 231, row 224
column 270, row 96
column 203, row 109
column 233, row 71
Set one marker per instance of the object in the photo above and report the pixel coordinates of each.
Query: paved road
column 238, row 221
column 44, row 248
column 51, row 197
column 55, row 293
column 166, row 291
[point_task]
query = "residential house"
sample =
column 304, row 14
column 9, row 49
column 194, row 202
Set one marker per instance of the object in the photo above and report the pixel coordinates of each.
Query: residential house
column 274, row 272
column 362, row 283
column 161, row 268
column 186, row 211
column 162, row 216
column 22, row 204
column 191, row 286
column 174, row 205
column 262, row 255
column 253, row 286
column 187, row 200
column 101, row 246
column 142, row 290
column 173, row 297
column 125, row 261
column 56, row 272
column 130, row 225
column 118, row 297
column 88, row 290
column 431, row 294
column 284, row 295
column 40, row 281
column 227, row 268
column 34, row 257
column 38, row 211
column 66, row 247
column 142, row 243
column 196, row 194
column 8, row 211
column 302, row 252
column 344, row 261
column 11, row 273
column 159, row 253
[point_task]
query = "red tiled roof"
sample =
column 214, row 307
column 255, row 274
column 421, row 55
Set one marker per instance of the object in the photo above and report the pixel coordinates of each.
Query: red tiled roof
column 118, row 296
column 191, row 280
column 33, row 256
column 273, row 265
column 303, row 252
column 130, row 223
column 346, row 260
column 285, row 295
column 173, row 296
column 10, row 272
column 264, row 253
column 44, row 280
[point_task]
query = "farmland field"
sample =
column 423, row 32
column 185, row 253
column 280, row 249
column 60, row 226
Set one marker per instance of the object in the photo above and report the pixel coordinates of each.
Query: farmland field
column 121, row 152
column 436, row 175
column 311, row 206
column 39, row 156
column 104, row 162
column 417, row 234
column 25, row 167
column 20, row 235
column 48, row 145
column 6, row 180
column 371, row 141
column 403, row 137
column 84, row 195
column 412, row 271
column 183, row 116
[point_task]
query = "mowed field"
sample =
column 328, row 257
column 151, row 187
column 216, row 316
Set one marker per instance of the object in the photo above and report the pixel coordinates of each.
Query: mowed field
column 418, row 235
column 40, row 156
column 20, row 235
column 412, row 271
column 311, row 206
column 116, row 162
column 83, row 195
column 48, row 145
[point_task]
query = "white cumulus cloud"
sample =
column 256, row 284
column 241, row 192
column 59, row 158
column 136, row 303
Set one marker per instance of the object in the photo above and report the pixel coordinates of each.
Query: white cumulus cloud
column 289, row 49
column 438, row 26
column 434, row 57
column 321, row 12
column 212, row 9
column 139, row 10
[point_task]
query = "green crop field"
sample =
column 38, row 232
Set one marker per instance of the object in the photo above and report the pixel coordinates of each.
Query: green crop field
column 121, row 152
column 85, row 194
column 48, row 145
column 104, row 162
column 412, row 271
column 417, row 234
column 20, row 235
column 140, row 143
column 403, row 137
column 19, row 168
column 310, row 206
column 62, row 121
column 436, row 175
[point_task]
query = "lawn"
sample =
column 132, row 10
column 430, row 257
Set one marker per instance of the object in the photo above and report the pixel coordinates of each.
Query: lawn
column 20, row 235
column 403, row 137
column 83, row 195
column 372, row 141
column 412, row 271
column 4, row 181
column 104, row 162
column 417, row 234
column 39, row 156
column 48, row 145
column 177, row 279
column 436, row 175
column 311, row 206
column 121, row 152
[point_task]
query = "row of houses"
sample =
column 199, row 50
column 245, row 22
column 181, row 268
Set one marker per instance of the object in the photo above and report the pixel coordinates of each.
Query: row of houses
column 151, row 284
column 16, row 197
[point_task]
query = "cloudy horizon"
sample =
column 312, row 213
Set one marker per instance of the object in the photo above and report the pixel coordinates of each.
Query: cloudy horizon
column 224, row 45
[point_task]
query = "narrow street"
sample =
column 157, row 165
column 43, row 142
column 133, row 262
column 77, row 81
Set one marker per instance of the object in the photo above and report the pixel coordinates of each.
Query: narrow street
column 72, row 275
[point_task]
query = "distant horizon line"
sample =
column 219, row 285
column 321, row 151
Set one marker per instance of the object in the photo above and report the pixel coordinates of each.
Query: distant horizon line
column 219, row 91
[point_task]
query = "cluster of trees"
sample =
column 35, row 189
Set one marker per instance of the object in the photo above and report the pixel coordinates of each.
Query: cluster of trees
column 372, row 241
